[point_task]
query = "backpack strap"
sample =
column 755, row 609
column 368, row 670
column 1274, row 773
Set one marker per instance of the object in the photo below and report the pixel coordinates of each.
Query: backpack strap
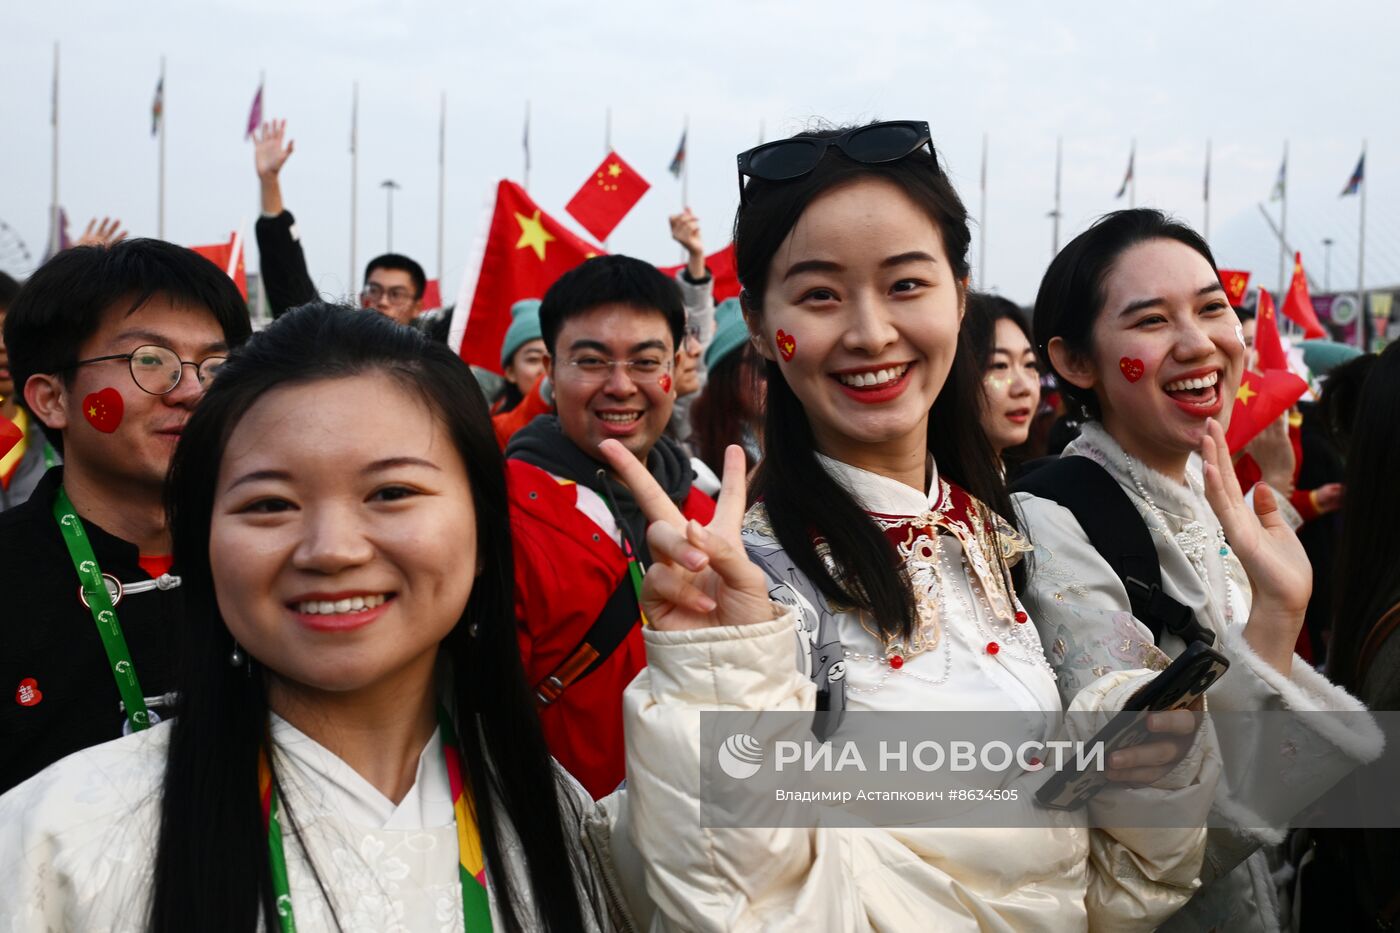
column 1382, row 630
column 1119, row 533
column 614, row 623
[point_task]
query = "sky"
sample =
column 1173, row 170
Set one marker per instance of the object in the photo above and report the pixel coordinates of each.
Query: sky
column 1245, row 76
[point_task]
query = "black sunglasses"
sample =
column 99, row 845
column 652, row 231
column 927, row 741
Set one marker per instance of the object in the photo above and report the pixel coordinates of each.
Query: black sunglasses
column 786, row 159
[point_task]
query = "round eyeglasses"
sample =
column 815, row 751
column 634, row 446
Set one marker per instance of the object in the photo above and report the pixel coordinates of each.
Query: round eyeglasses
column 156, row 370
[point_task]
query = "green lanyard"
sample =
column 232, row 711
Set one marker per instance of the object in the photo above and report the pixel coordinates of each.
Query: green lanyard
column 103, row 613
column 48, row 456
column 476, row 906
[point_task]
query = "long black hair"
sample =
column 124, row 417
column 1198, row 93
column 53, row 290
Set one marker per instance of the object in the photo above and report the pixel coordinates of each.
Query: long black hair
column 1071, row 295
column 802, row 499
column 1369, row 551
column 211, row 866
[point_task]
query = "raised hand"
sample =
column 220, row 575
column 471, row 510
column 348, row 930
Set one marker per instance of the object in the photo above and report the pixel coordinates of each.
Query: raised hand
column 1278, row 568
column 685, row 230
column 699, row 576
column 269, row 155
column 102, row 234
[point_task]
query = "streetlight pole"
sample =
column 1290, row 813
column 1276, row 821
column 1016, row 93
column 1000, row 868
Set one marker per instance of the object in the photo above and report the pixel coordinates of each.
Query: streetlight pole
column 390, row 186
column 1327, row 264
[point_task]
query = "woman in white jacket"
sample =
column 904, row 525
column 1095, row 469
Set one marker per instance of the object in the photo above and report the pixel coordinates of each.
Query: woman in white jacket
column 1137, row 328
column 356, row 747
column 882, row 536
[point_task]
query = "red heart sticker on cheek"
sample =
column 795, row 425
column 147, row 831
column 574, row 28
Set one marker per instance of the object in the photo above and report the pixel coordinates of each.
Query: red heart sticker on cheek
column 1132, row 369
column 787, row 345
column 28, row 693
column 664, row 382
column 103, row 410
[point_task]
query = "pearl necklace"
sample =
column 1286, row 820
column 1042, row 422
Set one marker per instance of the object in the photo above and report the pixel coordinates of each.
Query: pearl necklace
column 1192, row 539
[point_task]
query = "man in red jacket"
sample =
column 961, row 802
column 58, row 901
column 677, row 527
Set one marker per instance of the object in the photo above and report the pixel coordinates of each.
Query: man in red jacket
column 612, row 328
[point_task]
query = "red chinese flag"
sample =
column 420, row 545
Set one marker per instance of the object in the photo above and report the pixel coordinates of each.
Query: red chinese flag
column 1297, row 304
column 10, row 435
column 1236, row 283
column 1268, row 347
column 1259, row 401
column 526, row 251
column 721, row 266
column 432, row 296
column 607, row 196
column 229, row 258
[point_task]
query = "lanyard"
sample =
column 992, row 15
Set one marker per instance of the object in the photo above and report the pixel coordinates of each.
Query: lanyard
column 99, row 602
column 471, row 867
column 48, row 456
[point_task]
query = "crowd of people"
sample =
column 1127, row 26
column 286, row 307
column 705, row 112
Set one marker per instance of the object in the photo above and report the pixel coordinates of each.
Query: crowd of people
column 320, row 628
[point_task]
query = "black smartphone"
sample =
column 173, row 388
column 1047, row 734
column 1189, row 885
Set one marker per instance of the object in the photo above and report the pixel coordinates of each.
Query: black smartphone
column 1183, row 682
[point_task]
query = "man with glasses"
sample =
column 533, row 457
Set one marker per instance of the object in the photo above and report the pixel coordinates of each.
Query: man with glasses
column 612, row 328
column 111, row 348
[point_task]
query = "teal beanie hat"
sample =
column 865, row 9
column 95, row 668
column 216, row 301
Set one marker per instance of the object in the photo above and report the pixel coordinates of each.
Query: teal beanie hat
column 730, row 332
column 524, row 327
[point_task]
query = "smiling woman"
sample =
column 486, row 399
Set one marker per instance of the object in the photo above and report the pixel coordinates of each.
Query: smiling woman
column 1133, row 319
column 356, row 731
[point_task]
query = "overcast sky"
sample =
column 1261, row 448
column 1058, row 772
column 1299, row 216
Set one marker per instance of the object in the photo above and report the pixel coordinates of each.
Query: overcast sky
column 1246, row 75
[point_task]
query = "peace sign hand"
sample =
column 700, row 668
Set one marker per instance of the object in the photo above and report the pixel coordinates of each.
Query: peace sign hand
column 1280, row 575
column 700, row 576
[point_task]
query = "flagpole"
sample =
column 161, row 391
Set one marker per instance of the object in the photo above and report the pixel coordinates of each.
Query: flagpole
column 160, row 189
column 354, row 178
column 607, row 132
column 527, row 145
column 442, row 177
column 55, row 235
column 1055, row 214
column 1361, row 258
column 1283, row 223
column 982, row 223
column 1206, row 196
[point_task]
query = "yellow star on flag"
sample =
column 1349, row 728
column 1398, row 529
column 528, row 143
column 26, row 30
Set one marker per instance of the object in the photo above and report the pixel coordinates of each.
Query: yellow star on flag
column 1244, row 393
column 532, row 234
column 92, row 411
column 614, row 170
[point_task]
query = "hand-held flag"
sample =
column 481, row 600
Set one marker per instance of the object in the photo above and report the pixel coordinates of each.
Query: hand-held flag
column 526, row 251
column 1236, row 283
column 678, row 160
column 1268, row 346
column 1259, row 401
column 1297, row 304
column 606, row 197
column 229, row 258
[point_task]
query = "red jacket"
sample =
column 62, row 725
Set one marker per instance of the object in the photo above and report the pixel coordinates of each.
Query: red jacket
column 566, row 567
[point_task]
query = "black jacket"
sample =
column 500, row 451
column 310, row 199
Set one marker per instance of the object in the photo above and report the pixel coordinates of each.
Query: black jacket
column 51, row 655
column 285, row 279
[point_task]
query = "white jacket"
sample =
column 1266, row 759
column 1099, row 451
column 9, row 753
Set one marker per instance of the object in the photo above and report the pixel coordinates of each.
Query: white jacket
column 1083, row 613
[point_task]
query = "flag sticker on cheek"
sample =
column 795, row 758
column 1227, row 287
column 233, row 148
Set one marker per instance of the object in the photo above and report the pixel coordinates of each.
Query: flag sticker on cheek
column 1132, row 369
column 664, row 382
column 787, row 345
column 103, row 410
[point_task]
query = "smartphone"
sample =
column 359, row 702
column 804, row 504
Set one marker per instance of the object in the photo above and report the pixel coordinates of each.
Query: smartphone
column 1183, row 682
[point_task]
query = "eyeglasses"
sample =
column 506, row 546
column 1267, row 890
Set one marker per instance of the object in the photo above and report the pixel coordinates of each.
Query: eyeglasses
column 876, row 144
column 157, row 370
column 691, row 340
column 398, row 295
column 594, row 369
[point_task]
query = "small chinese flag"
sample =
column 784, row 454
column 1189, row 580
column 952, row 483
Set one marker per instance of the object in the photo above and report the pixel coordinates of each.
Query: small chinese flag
column 607, row 196
column 10, row 435
column 526, row 251
column 1236, row 283
column 228, row 257
column 1259, row 401
column 432, row 296
column 721, row 266
column 1268, row 346
column 1297, row 304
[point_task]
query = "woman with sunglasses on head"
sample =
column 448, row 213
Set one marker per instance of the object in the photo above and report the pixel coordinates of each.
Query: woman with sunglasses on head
column 356, row 747
column 879, row 532
column 1001, row 341
column 1136, row 326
